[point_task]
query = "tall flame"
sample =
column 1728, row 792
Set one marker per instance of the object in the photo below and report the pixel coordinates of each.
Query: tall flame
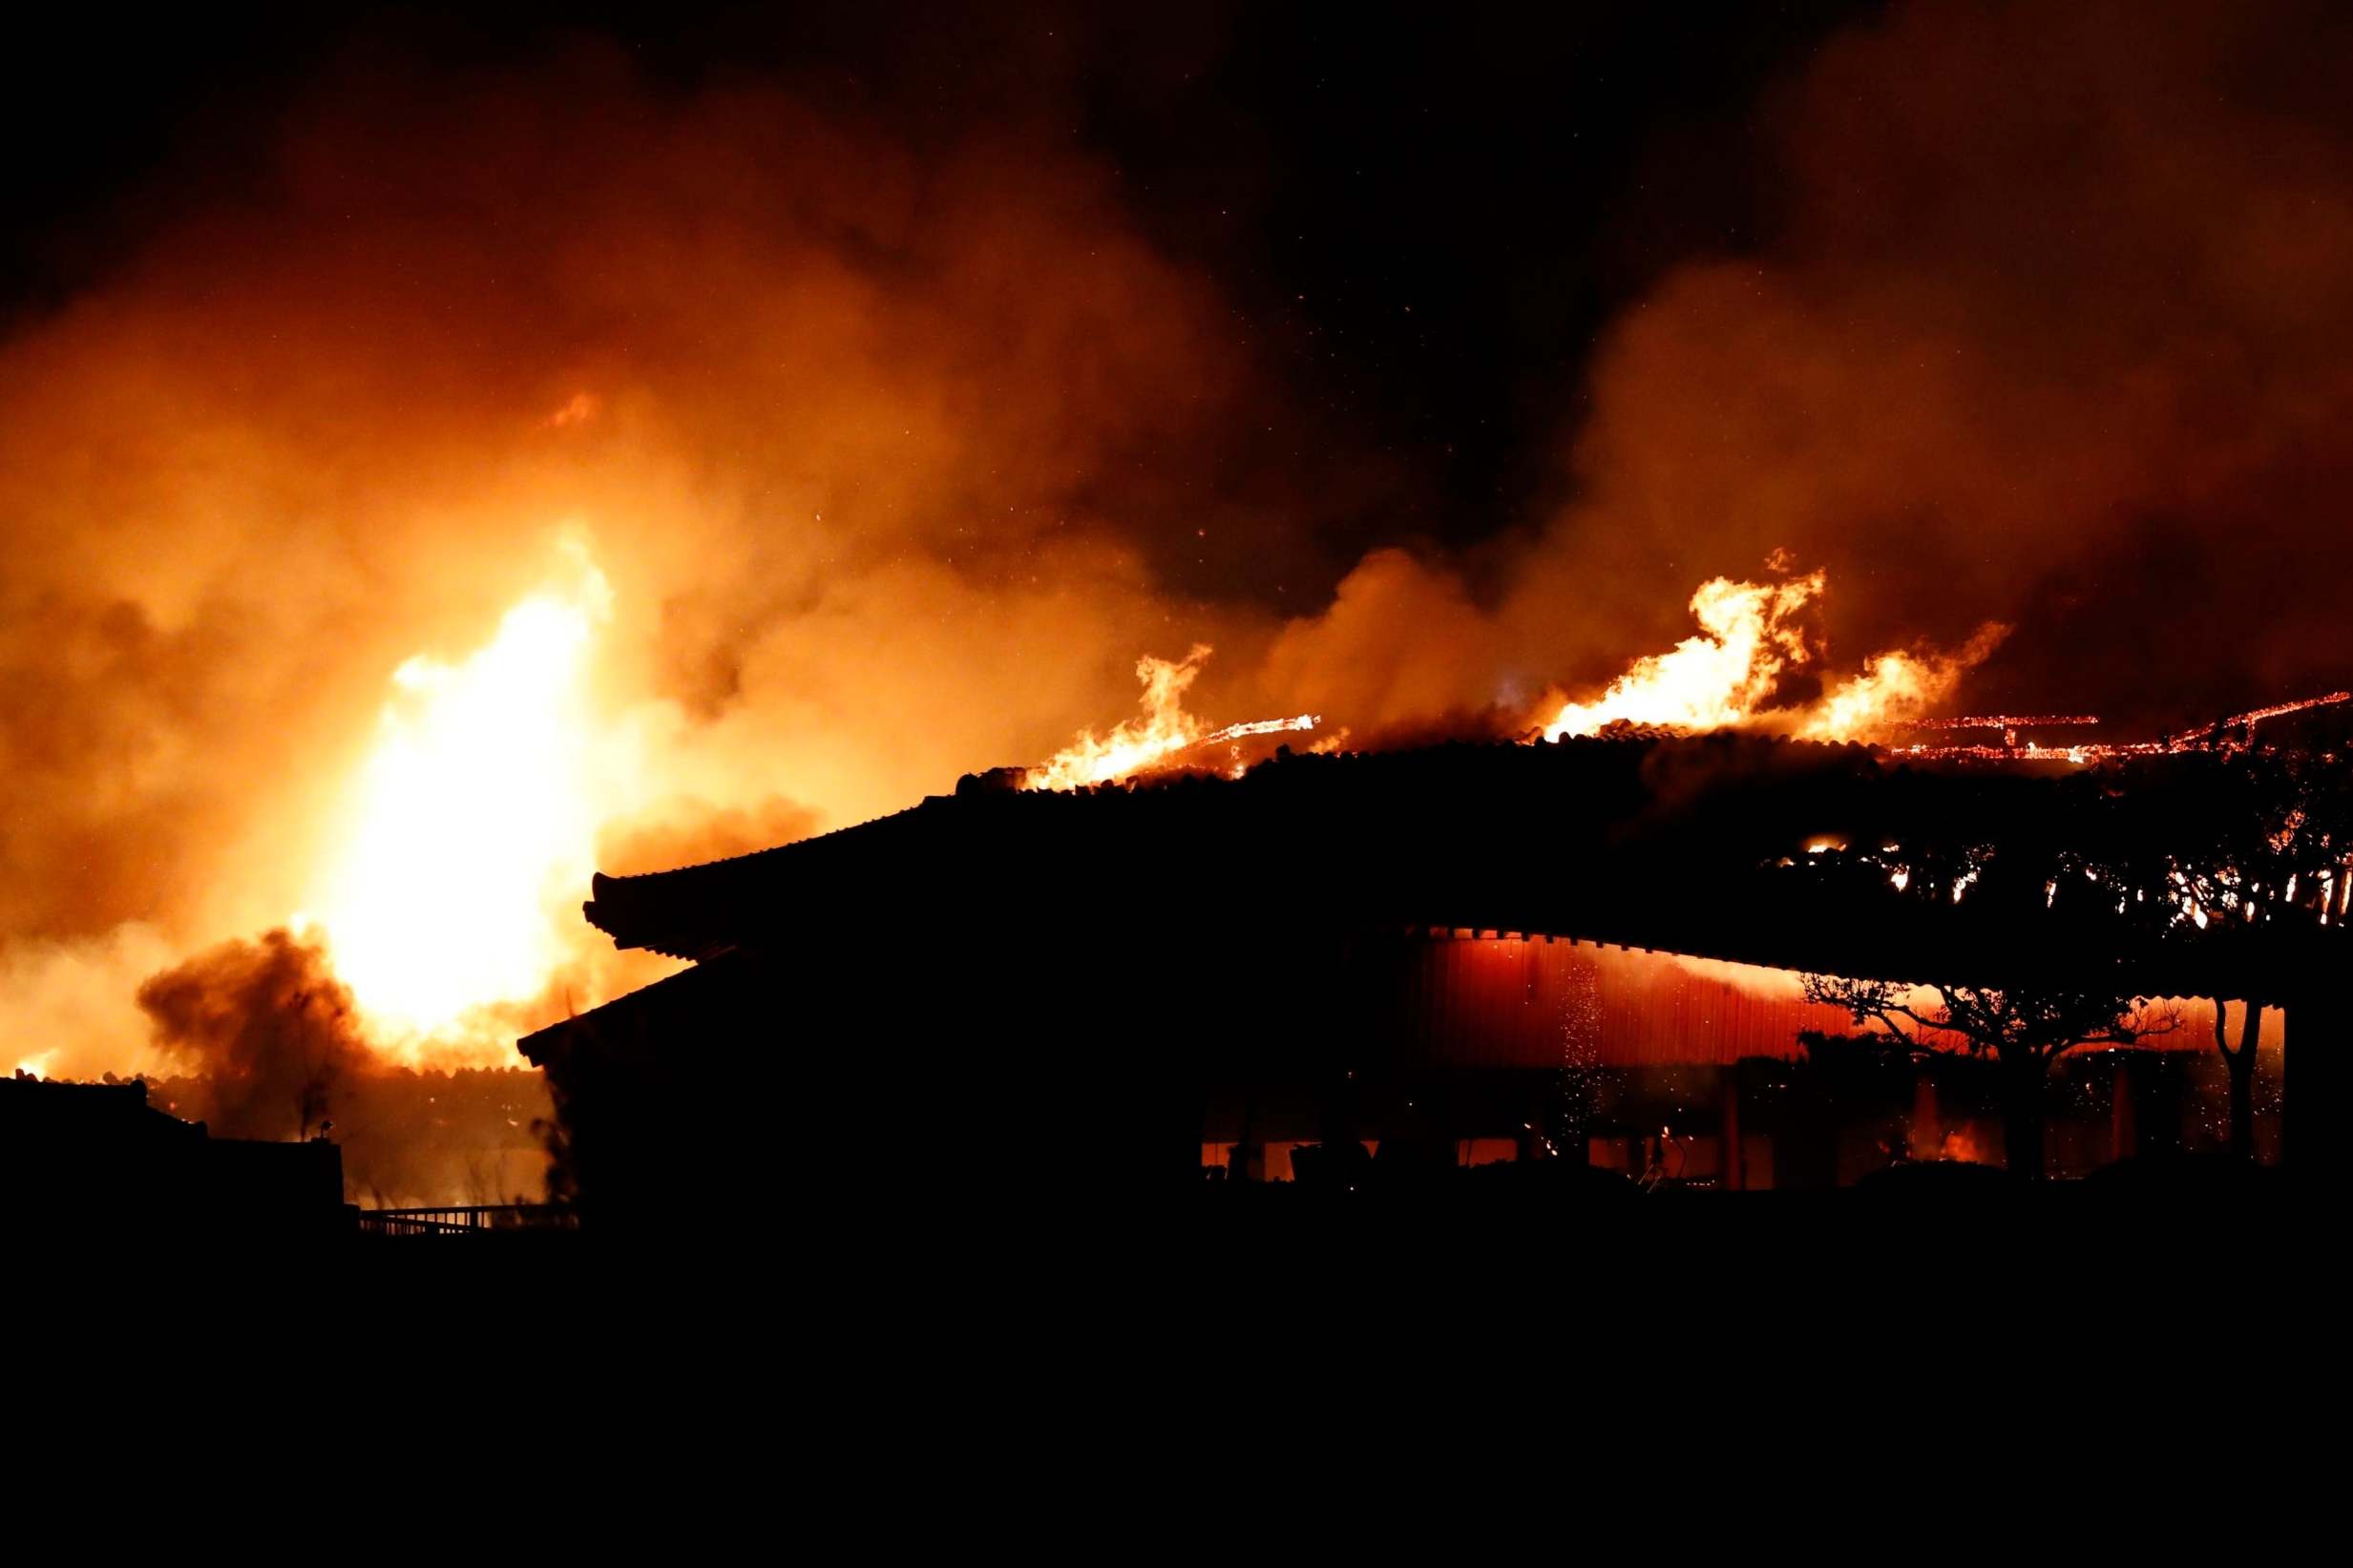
column 1726, row 677
column 473, row 823
column 1707, row 682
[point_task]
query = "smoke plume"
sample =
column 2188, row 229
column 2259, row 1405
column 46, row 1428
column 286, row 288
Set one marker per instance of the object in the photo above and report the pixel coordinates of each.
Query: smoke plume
column 2050, row 328
column 900, row 446
column 268, row 1025
column 844, row 417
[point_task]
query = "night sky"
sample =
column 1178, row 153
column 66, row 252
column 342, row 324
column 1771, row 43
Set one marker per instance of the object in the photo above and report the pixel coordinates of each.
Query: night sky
column 1425, row 218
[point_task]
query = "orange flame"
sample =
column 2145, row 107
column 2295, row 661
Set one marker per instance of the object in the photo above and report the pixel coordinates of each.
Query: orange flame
column 1155, row 737
column 1711, row 680
column 473, row 824
column 1895, row 688
column 1724, row 677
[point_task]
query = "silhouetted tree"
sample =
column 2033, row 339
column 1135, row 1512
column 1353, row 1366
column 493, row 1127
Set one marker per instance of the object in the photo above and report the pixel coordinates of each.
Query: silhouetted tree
column 2024, row 1030
column 2244, row 856
column 2241, row 1064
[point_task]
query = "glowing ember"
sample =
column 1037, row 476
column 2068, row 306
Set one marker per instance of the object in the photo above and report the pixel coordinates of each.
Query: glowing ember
column 2235, row 733
column 2002, row 722
column 1157, row 736
column 473, row 823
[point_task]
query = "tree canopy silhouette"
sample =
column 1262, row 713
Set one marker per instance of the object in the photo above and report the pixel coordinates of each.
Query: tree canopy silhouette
column 2025, row 1030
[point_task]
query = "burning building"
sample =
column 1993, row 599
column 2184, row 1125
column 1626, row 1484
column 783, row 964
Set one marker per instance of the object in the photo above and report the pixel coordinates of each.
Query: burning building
column 463, row 478
column 1447, row 955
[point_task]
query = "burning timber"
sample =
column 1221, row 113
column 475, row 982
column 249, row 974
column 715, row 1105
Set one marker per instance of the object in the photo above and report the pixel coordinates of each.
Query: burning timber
column 2233, row 734
column 1050, row 988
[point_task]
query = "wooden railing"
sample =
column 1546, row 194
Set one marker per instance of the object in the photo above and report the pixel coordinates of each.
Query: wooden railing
column 466, row 1220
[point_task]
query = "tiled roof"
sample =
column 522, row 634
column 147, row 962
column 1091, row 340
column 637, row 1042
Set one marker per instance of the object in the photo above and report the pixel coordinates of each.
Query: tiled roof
column 1692, row 846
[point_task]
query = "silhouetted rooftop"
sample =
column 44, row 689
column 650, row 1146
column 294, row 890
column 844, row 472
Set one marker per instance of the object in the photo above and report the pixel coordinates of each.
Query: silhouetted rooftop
column 1688, row 844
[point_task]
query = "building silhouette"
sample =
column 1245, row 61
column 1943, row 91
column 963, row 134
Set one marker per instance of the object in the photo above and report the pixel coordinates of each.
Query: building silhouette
column 1102, row 994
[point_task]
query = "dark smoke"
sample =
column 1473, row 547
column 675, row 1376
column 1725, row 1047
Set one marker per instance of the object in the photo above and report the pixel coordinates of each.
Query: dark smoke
column 262, row 1041
column 2053, row 328
column 268, row 1025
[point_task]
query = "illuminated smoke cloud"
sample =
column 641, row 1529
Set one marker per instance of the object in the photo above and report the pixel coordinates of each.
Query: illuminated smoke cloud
column 834, row 413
